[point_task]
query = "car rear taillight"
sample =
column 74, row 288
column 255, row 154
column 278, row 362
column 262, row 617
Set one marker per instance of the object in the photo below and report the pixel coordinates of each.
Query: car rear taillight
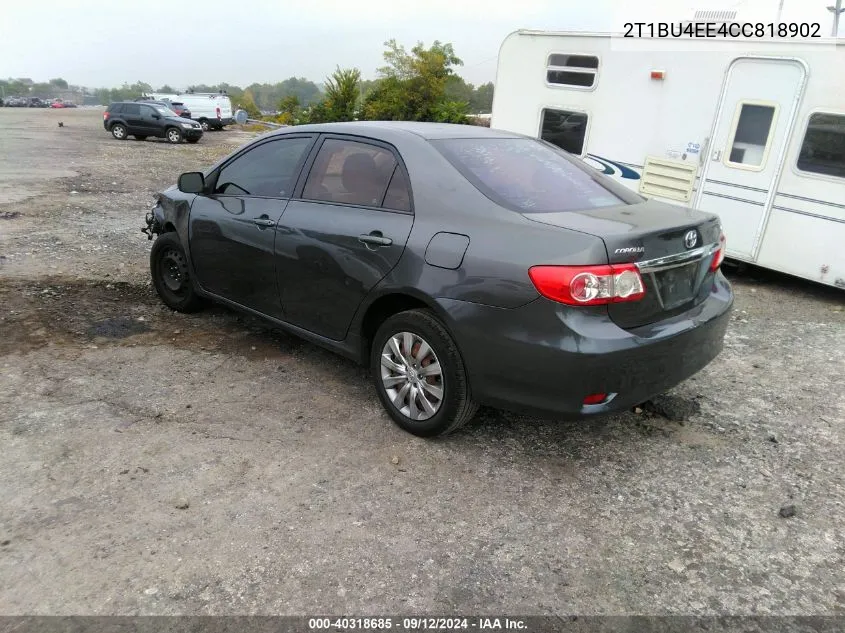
column 588, row 285
column 719, row 255
column 106, row 115
column 218, row 113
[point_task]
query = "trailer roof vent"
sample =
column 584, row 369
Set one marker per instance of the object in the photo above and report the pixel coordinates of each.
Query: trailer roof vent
column 673, row 179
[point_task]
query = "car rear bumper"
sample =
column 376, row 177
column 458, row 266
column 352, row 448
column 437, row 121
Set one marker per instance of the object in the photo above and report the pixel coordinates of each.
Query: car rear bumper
column 544, row 358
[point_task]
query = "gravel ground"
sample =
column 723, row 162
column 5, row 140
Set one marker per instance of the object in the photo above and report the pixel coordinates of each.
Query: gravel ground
column 158, row 463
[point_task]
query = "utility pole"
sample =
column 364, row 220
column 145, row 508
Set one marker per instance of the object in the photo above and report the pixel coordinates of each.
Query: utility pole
column 837, row 11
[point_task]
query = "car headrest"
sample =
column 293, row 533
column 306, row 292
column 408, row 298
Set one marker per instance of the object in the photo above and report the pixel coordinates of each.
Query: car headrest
column 359, row 173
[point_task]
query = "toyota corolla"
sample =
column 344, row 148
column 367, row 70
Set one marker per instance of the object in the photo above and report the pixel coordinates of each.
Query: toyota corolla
column 464, row 265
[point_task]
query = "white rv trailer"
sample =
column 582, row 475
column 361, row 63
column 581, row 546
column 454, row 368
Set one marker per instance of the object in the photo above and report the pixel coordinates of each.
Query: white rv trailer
column 751, row 130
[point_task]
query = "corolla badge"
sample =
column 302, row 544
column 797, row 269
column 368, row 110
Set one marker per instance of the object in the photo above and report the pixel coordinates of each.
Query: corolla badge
column 690, row 239
column 630, row 249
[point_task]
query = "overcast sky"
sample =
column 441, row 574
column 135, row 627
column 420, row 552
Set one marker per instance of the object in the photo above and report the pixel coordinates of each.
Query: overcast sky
column 208, row 41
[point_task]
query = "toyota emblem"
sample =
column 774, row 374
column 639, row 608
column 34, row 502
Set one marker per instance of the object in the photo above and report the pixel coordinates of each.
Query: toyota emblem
column 690, row 239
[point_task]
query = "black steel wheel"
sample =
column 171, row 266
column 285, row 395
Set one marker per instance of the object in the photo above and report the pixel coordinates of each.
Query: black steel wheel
column 171, row 274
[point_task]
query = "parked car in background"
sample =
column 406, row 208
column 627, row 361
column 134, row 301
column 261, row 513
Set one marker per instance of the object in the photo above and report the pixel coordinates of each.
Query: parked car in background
column 536, row 284
column 141, row 120
column 16, row 102
column 37, row 102
column 181, row 109
column 178, row 107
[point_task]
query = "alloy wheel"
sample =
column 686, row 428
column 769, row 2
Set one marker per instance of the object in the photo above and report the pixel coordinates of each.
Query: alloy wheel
column 412, row 376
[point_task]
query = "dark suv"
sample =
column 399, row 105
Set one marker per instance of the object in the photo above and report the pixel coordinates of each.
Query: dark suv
column 128, row 118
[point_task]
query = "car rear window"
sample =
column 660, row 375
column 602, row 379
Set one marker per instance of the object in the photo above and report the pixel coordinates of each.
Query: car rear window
column 529, row 176
column 115, row 108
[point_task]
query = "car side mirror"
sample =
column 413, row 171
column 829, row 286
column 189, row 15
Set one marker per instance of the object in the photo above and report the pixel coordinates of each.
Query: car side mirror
column 192, row 182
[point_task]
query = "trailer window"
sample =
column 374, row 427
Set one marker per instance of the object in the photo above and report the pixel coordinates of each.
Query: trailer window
column 752, row 136
column 823, row 149
column 564, row 128
column 578, row 71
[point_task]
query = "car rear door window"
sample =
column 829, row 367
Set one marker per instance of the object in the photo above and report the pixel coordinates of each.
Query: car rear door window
column 131, row 109
column 398, row 196
column 527, row 175
column 268, row 170
column 350, row 172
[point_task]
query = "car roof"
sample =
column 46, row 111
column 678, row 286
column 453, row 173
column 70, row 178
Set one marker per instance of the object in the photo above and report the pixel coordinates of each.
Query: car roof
column 387, row 130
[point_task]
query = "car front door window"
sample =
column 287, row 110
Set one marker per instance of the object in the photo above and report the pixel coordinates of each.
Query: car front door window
column 268, row 170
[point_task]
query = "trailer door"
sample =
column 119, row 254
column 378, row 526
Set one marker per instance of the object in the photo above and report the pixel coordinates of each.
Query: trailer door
column 756, row 115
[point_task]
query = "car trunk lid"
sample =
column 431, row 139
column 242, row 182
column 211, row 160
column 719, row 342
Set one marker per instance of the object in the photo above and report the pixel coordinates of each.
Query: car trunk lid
column 672, row 247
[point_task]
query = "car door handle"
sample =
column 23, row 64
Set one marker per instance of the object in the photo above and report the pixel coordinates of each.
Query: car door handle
column 375, row 238
column 263, row 221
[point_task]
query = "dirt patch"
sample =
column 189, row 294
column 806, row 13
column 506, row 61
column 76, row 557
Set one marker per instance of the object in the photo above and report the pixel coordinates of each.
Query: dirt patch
column 60, row 312
column 118, row 327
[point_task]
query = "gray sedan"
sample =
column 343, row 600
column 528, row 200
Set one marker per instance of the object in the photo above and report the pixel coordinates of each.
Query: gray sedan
column 464, row 265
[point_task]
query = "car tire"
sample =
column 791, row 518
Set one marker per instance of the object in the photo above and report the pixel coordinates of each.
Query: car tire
column 119, row 131
column 171, row 274
column 397, row 389
column 192, row 140
column 204, row 124
column 173, row 135
column 140, row 138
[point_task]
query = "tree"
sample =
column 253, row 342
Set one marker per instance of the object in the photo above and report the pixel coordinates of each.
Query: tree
column 459, row 90
column 389, row 101
column 482, row 98
column 414, row 85
column 342, row 92
column 103, row 96
column 13, row 87
column 247, row 102
column 290, row 105
column 267, row 96
column 45, row 91
column 59, row 83
column 166, row 89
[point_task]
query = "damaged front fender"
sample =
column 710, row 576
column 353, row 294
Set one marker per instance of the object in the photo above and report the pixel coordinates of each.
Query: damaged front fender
column 154, row 226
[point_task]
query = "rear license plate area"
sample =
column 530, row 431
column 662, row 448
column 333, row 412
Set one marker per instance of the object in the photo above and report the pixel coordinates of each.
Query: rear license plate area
column 677, row 285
